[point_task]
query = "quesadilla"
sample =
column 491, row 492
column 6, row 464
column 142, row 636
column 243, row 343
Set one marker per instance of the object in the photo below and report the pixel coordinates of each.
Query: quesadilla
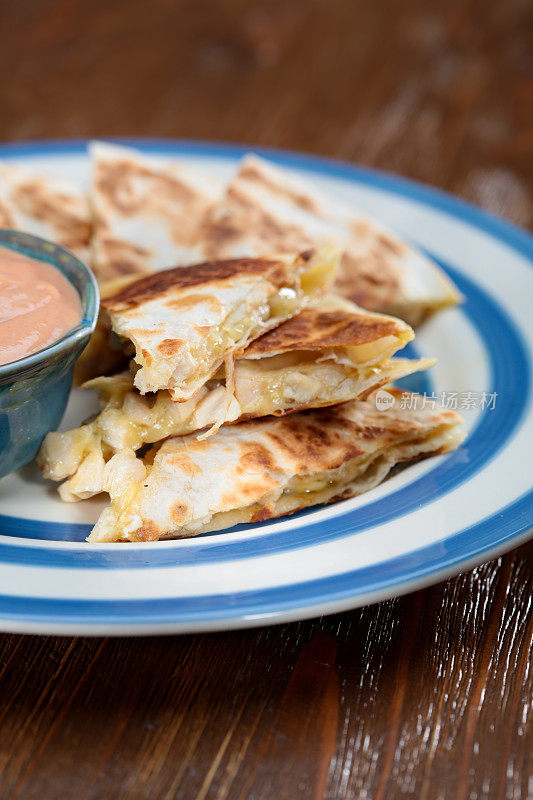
column 45, row 206
column 184, row 323
column 268, row 209
column 331, row 353
column 146, row 212
column 266, row 468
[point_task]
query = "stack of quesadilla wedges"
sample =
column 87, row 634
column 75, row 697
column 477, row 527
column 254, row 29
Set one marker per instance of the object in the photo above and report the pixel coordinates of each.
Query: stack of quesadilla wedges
column 250, row 370
column 330, row 353
column 245, row 339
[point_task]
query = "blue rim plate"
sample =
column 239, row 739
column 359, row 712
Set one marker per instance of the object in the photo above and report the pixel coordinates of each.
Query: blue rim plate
column 429, row 521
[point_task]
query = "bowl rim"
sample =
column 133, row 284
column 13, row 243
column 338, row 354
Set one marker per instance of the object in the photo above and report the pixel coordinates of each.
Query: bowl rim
column 90, row 301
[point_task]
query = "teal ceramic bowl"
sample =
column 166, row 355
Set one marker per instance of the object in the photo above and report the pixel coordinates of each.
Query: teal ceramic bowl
column 34, row 390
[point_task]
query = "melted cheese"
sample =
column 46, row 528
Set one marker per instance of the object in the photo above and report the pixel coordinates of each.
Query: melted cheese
column 274, row 385
column 181, row 351
column 353, row 477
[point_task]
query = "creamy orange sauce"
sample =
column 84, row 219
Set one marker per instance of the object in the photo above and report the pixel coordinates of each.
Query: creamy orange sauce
column 38, row 305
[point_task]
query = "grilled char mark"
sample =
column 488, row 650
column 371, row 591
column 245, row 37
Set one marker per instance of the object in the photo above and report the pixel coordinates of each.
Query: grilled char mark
column 127, row 188
column 316, row 329
column 370, row 279
column 243, row 216
column 115, row 181
column 254, row 173
column 53, row 208
column 311, row 446
column 158, row 283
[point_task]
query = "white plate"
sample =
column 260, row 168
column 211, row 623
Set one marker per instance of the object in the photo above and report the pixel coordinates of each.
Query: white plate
column 429, row 521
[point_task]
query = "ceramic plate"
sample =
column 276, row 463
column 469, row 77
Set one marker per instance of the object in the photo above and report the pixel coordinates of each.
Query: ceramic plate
column 428, row 521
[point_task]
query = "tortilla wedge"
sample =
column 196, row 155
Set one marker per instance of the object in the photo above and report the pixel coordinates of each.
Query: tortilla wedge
column 268, row 209
column 45, row 206
column 146, row 211
column 266, row 468
column 332, row 352
column 185, row 322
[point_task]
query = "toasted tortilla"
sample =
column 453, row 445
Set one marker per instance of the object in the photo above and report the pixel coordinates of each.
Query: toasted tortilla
column 146, row 211
column 45, row 206
column 268, row 209
column 185, row 322
column 266, row 468
column 331, row 353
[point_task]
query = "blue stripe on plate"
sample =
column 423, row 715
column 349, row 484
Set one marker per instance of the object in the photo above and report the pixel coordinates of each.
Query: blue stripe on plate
column 470, row 543
column 509, row 367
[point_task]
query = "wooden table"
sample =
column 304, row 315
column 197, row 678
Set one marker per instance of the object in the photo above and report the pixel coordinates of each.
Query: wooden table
column 428, row 696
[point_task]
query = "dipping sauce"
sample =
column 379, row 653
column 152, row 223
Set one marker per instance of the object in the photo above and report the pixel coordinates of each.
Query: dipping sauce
column 38, row 305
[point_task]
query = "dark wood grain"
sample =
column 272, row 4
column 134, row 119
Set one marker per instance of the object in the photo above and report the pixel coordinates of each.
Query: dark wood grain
column 427, row 696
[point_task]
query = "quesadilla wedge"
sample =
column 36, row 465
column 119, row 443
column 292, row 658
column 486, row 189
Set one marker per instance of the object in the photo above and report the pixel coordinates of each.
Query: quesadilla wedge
column 266, row 468
column 331, row 353
column 185, row 322
column 268, row 209
column 146, row 211
column 45, row 206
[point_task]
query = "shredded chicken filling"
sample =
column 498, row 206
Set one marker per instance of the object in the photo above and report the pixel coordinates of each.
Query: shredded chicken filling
column 129, row 420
